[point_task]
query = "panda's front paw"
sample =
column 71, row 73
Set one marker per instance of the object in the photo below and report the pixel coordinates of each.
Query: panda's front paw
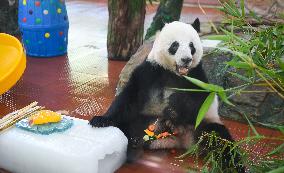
column 100, row 121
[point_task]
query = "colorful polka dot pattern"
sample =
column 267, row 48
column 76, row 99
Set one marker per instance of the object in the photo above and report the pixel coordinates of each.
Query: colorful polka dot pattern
column 37, row 3
column 47, row 35
column 38, row 20
column 45, row 9
column 45, row 12
column 37, row 13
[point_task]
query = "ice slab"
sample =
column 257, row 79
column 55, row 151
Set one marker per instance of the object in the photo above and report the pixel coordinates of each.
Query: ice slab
column 80, row 149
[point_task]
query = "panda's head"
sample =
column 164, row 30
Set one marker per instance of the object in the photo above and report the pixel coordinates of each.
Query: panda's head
column 177, row 47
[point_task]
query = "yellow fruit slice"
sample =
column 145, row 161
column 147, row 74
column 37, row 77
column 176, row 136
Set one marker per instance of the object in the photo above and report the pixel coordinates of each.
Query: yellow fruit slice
column 149, row 133
column 44, row 117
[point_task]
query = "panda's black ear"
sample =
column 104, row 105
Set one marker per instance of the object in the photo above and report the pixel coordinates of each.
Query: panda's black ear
column 196, row 25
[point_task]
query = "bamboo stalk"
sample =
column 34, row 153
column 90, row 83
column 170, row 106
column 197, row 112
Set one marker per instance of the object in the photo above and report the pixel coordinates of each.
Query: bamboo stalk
column 22, row 114
column 8, row 116
column 271, row 86
column 29, row 111
column 12, row 118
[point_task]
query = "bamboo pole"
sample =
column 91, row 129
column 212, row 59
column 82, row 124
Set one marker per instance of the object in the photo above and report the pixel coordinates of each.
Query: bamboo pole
column 11, row 119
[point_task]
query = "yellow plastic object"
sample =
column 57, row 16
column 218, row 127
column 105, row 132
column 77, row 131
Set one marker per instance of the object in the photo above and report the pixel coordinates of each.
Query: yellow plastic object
column 12, row 61
column 44, row 117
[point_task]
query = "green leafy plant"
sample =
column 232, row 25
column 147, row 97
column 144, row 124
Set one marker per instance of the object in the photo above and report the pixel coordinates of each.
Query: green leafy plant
column 258, row 56
column 258, row 51
column 272, row 161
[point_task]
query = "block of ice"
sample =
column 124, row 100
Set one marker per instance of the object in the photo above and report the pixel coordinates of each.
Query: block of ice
column 80, row 149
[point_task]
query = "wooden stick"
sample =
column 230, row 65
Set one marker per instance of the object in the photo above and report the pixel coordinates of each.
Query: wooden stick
column 15, row 113
column 12, row 118
column 8, row 116
column 21, row 114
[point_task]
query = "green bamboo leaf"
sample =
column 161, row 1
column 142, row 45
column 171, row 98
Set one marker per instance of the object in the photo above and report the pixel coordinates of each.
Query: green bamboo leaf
column 190, row 90
column 204, row 85
column 271, row 73
column 243, row 78
column 231, row 9
column 228, row 9
column 241, row 65
column 189, row 151
column 281, row 129
column 281, row 63
column 251, row 126
column 222, row 9
column 253, row 14
column 224, row 98
column 234, row 7
column 234, row 37
column 218, row 37
column 243, row 7
column 204, row 108
column 278, row 127
column 243, row 56
column 277, row 150
column 278, row 170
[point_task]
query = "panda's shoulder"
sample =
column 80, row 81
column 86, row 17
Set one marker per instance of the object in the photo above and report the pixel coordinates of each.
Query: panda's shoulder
column 148, row 69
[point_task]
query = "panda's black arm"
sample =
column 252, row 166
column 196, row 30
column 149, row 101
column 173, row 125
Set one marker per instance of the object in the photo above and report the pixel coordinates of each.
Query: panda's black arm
column 124, row 101
column 121, row 107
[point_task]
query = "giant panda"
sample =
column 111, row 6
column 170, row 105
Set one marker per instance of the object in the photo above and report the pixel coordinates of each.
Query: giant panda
column 149, row 97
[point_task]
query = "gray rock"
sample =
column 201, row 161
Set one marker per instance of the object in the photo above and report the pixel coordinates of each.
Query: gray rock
column 262, row 107
column 9, row 17
column 265, row 8
column 133, row 62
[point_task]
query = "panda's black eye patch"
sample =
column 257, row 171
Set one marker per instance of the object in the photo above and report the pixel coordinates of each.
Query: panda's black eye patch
column 173, row 48
column 192, row 48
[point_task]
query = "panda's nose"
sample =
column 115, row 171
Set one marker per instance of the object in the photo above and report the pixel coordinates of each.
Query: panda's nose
column 186, row 60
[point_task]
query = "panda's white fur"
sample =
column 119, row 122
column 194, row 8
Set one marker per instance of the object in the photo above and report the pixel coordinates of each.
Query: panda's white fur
column 182, row 33
column 212, row 115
